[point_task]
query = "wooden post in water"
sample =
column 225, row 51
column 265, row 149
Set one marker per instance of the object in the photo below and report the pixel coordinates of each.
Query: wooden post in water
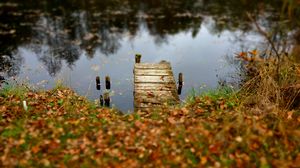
column 106, row 99
column 98, row 85
column 138, row 58
column 180, row 83
column 101, row 101
column 180, row 79
column 107, row 82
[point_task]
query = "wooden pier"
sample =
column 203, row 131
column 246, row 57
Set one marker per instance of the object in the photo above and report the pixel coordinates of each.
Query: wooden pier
column 154, row 85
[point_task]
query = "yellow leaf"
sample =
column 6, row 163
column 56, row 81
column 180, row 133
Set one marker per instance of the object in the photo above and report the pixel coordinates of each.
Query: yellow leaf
column 298, row 71
column 253, row 52
column 290, row 115
column 239, row 139
column 203, row 160
column 21, row 141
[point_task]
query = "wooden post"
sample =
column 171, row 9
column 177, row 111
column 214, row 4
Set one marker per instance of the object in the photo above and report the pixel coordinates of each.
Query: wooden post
column 106, row 99
column 138, row 58
column 98, row 85
column 180, row 79
column 107, row 82
column 180, row 83
column 101, row 101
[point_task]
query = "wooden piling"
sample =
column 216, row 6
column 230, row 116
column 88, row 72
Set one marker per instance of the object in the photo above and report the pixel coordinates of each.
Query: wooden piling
column 98, row 85
column 180, row 83
column 107, row 82
column 180, row 79
column 106, row 99
column 101, row 100
column 138, row 58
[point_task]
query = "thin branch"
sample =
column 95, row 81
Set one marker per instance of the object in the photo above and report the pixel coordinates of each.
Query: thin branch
column 265, row 34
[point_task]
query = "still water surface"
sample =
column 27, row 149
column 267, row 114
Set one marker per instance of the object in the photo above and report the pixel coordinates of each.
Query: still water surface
column 74, row 42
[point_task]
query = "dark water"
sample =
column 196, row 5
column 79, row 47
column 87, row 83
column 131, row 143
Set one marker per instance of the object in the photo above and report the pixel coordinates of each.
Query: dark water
column 75, row 40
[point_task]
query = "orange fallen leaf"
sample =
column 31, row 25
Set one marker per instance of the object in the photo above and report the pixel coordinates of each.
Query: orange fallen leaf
column 214, row 148
column 171, row 120
column 185, row 111
column 35, row 149
column 253, row 52
column 140, row 125
column 242, row 54
column 199, row 110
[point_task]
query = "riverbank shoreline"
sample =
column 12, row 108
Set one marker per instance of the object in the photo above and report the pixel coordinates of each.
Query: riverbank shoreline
column 60, row 128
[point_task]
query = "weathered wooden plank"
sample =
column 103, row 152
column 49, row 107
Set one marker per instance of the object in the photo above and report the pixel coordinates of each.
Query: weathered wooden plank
column 152, row 66
column 145, row 105
column 155, row 96
column 154, row 79
column 154, row 86
column 153, row 72
column 149, row 109
column 155, row 92
column 158, row 100
column 148, row 100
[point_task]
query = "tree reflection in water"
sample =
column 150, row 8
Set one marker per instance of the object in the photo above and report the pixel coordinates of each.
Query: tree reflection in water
column 63, row 30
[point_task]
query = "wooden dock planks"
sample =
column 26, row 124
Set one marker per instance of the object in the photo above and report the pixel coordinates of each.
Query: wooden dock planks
column 154, row 85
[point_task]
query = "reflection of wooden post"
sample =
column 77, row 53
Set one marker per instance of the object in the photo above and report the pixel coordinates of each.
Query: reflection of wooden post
column 138, row 58
column 2, row 80
column 179, row 89
column 180, row 83
column 106, row 99
column 98, row 85
column 101, row 100
column 107, row 82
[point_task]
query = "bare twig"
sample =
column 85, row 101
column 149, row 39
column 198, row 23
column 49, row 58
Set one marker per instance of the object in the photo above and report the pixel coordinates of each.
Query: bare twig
column 265, row 34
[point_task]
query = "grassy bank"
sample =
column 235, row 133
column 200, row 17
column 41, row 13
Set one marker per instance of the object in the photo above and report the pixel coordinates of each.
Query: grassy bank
column 62, row 129
column 256, row 126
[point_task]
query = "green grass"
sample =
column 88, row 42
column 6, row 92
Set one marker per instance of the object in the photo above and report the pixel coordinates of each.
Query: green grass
column 61, row 128
column 216, row 99
column 225, row 92
column 13, row 90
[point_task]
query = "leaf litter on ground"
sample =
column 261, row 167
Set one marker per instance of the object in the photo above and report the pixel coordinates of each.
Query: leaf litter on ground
column 62, row 129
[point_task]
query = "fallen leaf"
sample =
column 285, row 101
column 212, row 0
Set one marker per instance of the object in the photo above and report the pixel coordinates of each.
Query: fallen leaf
column 35, row 149
column 171, row 120
column 203, row 160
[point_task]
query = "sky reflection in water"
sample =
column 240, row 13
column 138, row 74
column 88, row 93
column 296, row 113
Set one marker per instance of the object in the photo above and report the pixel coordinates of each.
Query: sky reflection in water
column 200, row 59
column 74, row 41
